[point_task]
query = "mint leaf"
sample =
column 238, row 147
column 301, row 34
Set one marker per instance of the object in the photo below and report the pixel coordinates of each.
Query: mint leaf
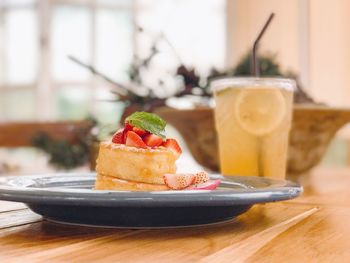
column 147, row 121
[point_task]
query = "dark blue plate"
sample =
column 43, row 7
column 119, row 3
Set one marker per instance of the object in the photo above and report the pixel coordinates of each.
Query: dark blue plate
column 70, row 198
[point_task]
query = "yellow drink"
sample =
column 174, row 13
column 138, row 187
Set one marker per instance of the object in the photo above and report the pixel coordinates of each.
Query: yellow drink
column 253, row 119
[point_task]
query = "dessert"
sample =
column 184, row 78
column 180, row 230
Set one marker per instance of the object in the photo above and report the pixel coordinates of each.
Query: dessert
column 139, row 157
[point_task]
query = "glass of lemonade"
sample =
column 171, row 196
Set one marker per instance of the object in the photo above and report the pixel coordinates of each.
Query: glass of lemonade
column 253, row 118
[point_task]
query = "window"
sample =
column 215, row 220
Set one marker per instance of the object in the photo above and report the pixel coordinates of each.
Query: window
column 18, row 63
column 38, row 81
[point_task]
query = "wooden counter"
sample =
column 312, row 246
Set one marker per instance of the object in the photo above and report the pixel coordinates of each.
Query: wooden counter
column 312, row 228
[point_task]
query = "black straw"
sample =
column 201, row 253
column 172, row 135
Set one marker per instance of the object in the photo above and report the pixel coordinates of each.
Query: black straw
column 254, row 62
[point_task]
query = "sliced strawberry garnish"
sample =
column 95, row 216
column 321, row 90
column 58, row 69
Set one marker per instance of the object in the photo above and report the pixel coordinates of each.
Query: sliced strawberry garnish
column 132, row 139
column 118, row 136
column 209, row 185
column 178, row 181
column 124, row 135
column 201, row 177
column 153, row 140
column 172, row 145
column 128, row 126
column 139, row 131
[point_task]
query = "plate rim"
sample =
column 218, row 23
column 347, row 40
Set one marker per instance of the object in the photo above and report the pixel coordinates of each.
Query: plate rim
column 64, row 196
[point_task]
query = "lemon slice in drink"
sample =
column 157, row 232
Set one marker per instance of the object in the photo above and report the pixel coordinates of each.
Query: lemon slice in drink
column 259, row 111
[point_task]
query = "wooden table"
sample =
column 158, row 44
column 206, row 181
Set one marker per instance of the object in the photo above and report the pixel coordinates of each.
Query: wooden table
column 312, row 228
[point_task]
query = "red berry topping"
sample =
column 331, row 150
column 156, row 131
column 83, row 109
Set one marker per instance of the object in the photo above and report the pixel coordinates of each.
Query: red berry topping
column 153, row 140
column 133, row 139
column 139, row 131
column 118, row 137
column 172, row 145
column 128, row 126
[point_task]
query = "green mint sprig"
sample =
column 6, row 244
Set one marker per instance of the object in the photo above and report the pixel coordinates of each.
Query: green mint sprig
column 148, row 121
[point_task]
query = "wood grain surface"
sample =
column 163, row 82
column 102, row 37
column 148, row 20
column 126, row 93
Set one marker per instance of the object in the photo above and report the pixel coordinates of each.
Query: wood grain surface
column 312, row 228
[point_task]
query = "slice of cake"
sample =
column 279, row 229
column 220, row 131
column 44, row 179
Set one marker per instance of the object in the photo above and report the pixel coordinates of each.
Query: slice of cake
column 144, row 165
column 140, row 158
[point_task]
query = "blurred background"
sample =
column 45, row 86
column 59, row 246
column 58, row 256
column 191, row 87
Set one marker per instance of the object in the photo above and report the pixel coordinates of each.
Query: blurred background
column 146, row 42
column 38, row 36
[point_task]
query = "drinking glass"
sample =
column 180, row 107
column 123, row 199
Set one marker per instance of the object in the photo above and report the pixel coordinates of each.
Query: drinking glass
column 253, row 119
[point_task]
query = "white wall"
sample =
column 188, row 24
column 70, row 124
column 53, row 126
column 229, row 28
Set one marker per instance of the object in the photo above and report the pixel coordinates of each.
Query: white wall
column 330, row 51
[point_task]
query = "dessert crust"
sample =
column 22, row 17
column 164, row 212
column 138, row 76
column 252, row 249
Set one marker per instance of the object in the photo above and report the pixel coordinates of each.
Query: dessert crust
column 135, row 164
column 105, row 182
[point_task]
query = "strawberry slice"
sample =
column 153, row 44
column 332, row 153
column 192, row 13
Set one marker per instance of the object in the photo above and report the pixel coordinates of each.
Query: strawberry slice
column 139, row 131
column 178, row 181
column 124, row 135
column 128, row 126
column 132, row 139
column 153, row 140
column 201, row 177
column 172, row 145
column 118, row 136
column 209, row 185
